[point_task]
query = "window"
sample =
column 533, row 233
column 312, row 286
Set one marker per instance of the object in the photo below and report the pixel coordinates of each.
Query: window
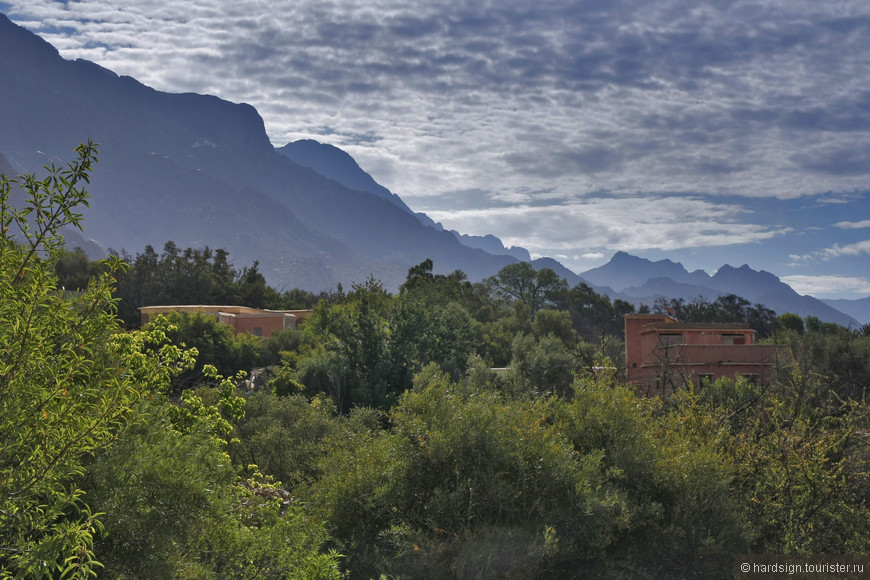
column 667, row 338
column 257, row 331
column 733, row 339
column 705, row 379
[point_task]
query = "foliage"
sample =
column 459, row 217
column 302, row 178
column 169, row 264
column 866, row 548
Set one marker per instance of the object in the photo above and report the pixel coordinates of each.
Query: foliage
column 835, row 358
column 67, row 382
column 542, row 365
column 74, row 270
column 471, row 482
column 283, row 436
column 728, row 308
column 194, row 276
column 175, row 508
column 384, row 433
column 592, row 314
column 216, row 345
column 521, row 282
column 792, row 322
column 98, row 469
column 283, row 341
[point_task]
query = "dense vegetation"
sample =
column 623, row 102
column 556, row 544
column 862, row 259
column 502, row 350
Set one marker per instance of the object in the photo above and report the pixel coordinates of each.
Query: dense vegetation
column 380, row 441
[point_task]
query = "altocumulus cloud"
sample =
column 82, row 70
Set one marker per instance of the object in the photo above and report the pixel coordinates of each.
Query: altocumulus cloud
column 621, row 223
column 835, row 285
column 572, row 112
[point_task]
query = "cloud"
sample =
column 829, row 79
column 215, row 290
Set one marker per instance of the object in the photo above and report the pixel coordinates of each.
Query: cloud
column 752, row 98
column 833, row 252
column 616, row 223
column 821, row 285
column 575, row 128
column 853, row 225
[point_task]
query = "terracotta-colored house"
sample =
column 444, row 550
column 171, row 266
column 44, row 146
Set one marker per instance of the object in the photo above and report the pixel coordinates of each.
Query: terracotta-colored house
column 243, row 319
column 662, row 354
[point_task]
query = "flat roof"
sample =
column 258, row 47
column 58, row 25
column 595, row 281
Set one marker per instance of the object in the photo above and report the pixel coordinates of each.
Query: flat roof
column 216, row 308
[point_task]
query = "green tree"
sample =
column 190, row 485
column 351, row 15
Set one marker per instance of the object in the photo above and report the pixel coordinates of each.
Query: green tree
column 592, row 314
column 347, row 350
column 176, row 508
column 67, row 381
column 470, row 482
column 542, row 366
column 216, row 345
column 791, row 321
column 521, row 282
column 74, row 270
column 284, row 435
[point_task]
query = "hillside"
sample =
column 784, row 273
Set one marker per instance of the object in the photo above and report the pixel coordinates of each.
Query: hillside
column 201, row 171
column 857, row 309
column 336, row 164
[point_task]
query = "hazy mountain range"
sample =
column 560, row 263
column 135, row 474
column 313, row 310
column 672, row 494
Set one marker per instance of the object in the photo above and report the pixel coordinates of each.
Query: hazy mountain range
column 201, row 171
column 640, row 281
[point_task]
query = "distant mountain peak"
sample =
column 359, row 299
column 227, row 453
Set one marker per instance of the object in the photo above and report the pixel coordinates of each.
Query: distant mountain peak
column 759, row 277
column 625, row 271
column 334, row 163
column 642, row 281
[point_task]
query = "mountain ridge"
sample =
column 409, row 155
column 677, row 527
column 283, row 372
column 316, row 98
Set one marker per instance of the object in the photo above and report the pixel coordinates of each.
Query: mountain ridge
column 199, row 170
column 669, row 279
column 334, row 163
column 202, row 171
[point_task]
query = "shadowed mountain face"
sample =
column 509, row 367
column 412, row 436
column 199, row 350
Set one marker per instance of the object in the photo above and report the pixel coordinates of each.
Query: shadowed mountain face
column 336, row 164
column 201, row 171
column 857, row 309
column 332, row 162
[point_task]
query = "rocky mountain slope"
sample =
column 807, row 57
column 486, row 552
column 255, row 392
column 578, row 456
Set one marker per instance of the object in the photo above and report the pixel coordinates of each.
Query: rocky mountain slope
column 201, row 171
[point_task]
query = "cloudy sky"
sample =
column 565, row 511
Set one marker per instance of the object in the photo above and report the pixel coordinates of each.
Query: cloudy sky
column 708, row 132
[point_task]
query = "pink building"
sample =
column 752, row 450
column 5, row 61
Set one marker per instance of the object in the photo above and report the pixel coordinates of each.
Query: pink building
column 663, row 354
column 243, row 319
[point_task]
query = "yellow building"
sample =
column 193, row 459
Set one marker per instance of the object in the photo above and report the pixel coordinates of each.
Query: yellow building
column 243, row 319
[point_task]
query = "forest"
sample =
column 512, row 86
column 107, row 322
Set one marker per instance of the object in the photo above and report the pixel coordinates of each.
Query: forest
column 448, row 430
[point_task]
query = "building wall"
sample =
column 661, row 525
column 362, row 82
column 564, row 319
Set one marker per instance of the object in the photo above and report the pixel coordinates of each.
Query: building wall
column 662, row 353
column 243, row 319
column 266, row 324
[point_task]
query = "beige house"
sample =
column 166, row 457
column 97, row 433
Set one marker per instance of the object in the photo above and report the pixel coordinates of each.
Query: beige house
column 243, row 319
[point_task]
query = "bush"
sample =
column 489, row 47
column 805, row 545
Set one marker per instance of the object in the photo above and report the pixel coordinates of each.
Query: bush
column 470, row 479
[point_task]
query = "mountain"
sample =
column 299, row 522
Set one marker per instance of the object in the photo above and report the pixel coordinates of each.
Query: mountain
column 493, row 245
column 857, row 309
column 641, row 281
column 624, row 271
column 664, row 286
column 332, row 162
column 201, row 171
column 6, row 167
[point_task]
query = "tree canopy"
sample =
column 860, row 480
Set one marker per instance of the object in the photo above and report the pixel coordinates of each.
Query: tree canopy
column 451, row 429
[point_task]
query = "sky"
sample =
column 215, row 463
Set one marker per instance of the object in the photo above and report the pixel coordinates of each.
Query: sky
column 704, row 131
